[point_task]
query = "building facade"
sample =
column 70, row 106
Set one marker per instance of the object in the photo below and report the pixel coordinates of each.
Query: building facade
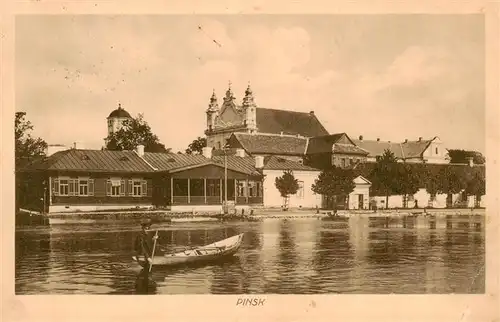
column 248, row 118
column 89, row 180
column 417, row 151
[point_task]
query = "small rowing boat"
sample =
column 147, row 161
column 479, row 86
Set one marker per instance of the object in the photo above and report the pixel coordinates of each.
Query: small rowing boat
column 211, row 252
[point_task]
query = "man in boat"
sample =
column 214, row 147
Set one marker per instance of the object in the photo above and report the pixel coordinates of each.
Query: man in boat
column 144, row 244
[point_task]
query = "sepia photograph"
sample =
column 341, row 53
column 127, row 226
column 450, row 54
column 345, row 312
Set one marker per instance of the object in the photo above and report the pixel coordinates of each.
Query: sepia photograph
column 162, row 157
column 256, row 154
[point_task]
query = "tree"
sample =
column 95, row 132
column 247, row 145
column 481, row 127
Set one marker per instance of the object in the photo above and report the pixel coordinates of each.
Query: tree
column 287, row 185
column 27, row 148
column 134, row 132
column 476, row 187
column 462, row 156
column 385, row 176
column 334, row 182
column 450, row 182
column 407, row 182
column 431, row 184
column 196, row 147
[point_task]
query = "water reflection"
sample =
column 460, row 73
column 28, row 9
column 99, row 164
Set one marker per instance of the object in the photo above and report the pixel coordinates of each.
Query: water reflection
column 344, row 255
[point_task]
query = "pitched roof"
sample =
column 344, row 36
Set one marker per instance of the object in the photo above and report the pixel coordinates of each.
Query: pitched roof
column 348, row 149
column 377, row 148
column 405, row 150
column 271, row 144
column 414, row 149
column 129, row 161
column 170, row 161
column 322, row 144
column 289, row 122
column 93, row 160
column 329, row 143
column 277, row 163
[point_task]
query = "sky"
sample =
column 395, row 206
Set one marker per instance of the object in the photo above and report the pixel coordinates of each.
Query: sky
column 393, row 77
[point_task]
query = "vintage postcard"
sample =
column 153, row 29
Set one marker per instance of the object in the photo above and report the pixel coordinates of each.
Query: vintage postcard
column 311, row 162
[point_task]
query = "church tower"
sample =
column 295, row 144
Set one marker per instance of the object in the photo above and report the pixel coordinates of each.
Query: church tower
column 212, row 112
column 116, row 119
column 229, row 100
column 250, row 110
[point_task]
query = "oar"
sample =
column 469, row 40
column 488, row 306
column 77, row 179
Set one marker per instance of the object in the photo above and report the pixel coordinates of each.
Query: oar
column 153, row 255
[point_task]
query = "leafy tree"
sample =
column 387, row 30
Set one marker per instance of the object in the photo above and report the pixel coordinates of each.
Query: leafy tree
column 287, row 185
column 27, row 148
column 334, row 182
column 407, row 182
column 462, row 156
column 431, row 183
column 196, row 147
column 385, row 176
column 450, row 182
column 134, row 132
column 476, row 187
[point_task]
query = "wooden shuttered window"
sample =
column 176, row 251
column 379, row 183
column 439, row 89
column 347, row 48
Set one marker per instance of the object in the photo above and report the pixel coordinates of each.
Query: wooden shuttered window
column 149, row 189
column 108, row 187
column 144, row 188
column 91, row 187
column 130, row 190
column 122, row 187
column 72, row 190
column 55, row 187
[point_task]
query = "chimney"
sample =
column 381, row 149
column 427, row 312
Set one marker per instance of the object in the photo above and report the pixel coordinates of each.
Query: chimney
column 259, row 162
column 207, row 152
column 361, row 138
column 406, row 140
column 240, row 153
column 419, row 139
column 471, row 161
column 78, row 145
column 53, row 148
column 378, row 139
column 140, row 150
column 311, row 112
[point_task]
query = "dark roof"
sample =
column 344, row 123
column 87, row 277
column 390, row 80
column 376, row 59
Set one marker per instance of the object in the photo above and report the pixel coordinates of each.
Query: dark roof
column 170, row 161
column 289, row 122
column 174, row 161
column 129, row 161
column 414, row 149
column 271, row 144
column 406, row 150
column 348, row 149
column 238, row 164
column 119, row 112
column 93, row 160
column 329, row 143
column 277, row 163
column 322, row 144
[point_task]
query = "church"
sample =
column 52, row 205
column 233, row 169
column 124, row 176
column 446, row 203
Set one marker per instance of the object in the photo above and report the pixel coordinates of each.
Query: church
column 300, row 136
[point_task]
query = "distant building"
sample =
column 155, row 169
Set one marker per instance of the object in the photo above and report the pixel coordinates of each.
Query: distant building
column 418, row 151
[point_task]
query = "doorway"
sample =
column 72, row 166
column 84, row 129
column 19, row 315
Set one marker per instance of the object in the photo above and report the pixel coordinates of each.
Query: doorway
column 360, row 202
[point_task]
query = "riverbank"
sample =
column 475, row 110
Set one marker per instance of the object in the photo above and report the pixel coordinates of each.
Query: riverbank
column 165, row 216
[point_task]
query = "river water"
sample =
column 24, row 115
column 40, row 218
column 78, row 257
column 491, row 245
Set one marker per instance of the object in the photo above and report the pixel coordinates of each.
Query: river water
column 306, row 256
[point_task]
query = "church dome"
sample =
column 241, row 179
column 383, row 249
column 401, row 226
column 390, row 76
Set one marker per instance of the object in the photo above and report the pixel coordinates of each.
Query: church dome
column 119, row 112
